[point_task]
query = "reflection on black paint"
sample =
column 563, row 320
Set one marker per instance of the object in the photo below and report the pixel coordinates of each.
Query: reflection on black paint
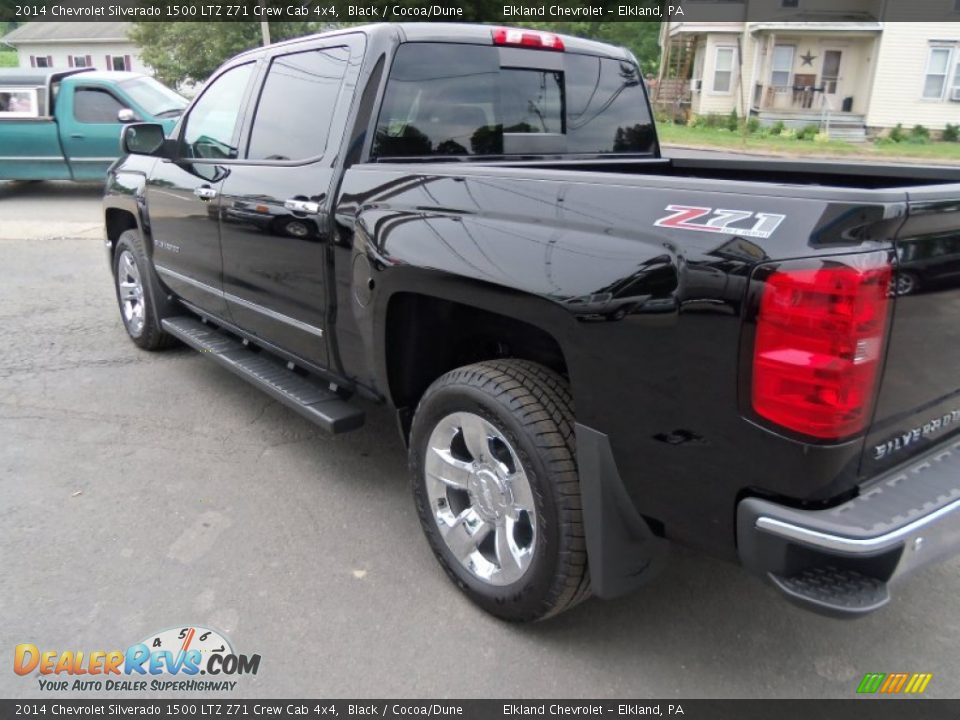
column 928, row 263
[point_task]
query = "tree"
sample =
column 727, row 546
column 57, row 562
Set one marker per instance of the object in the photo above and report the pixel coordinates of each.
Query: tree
column 190, row 51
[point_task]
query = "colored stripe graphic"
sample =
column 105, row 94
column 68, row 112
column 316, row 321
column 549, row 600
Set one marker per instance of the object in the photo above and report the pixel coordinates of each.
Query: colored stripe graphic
column 918, row 683
column 871, row 682
column 894, row 683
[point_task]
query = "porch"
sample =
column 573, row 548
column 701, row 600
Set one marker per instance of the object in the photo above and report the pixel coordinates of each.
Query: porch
column 813, row 74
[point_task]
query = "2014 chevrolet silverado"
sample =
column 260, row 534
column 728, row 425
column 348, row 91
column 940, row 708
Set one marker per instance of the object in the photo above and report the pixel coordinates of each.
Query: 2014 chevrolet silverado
column 592, row 350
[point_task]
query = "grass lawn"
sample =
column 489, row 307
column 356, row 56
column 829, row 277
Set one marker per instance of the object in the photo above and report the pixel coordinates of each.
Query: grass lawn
column 8, row 58
column 934, row 152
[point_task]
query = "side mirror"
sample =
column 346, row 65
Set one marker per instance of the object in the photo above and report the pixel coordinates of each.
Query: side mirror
column 143, row 139
column 126, row 115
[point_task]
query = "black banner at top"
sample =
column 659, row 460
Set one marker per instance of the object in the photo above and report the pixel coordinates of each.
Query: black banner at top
column 868, row 13
column 211, row 708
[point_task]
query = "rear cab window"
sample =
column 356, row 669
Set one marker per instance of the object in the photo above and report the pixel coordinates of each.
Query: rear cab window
column 449, row 99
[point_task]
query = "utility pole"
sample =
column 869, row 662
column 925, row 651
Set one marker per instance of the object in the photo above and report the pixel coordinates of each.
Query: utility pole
column 265, row 26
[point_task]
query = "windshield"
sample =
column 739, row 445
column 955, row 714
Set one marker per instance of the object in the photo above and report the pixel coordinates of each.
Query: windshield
column 156, row 99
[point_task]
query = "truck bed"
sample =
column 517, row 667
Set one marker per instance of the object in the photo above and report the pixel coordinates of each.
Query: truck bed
column 864, row 176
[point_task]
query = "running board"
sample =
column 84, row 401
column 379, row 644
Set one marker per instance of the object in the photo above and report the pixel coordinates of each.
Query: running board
column 310, row 399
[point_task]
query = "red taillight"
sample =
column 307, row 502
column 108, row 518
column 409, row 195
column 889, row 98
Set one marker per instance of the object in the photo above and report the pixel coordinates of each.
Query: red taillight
column 527, row 38
column 818, row 346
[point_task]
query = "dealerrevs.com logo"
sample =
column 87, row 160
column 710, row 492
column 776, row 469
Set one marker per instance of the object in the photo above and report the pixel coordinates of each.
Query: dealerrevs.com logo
column 170, row 660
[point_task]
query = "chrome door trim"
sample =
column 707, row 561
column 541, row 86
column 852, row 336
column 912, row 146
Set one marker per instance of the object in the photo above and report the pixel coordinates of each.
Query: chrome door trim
column 273, row 314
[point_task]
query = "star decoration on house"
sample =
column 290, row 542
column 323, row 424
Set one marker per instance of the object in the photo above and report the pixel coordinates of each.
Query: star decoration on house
column 808, row 58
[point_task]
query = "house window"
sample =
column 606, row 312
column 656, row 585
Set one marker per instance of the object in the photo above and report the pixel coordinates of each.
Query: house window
column 781, row 65
column 119, row 62
column 41, row 61
column 938, row 66
column 81, row 61
column 723, row 70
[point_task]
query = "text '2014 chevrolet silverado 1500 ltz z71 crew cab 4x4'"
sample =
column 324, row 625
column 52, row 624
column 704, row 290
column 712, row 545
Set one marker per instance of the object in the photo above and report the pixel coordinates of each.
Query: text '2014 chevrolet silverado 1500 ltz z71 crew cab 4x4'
column 593, row 351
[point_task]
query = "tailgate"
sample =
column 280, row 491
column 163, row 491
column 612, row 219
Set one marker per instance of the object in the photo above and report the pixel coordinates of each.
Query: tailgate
column 919, row 398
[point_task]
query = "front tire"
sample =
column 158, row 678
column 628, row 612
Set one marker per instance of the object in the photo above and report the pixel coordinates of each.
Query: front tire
column 496, row 487
column 137, row 292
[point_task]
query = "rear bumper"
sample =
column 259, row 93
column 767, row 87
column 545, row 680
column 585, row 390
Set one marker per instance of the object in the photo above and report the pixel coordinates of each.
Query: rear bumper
column 841, row 561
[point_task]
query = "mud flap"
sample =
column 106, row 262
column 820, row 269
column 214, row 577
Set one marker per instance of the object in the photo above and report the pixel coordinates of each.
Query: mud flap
column 622, row 551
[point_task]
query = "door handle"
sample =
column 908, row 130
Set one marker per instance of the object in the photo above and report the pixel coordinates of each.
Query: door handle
column 205, row 193
column 77, row 136
column 307, row 207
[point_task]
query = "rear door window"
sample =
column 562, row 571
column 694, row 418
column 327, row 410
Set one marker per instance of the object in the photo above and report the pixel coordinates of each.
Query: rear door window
column 296, row 105
column 448, row 99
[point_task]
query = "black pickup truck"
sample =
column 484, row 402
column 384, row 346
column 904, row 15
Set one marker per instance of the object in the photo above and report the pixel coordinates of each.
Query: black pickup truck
column 592, row 350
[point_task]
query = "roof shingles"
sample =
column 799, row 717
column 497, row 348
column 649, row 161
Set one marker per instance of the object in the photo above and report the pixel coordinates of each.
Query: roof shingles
column 39, row 32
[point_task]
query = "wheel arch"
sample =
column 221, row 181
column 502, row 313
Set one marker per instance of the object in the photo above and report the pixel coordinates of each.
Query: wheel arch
column 426, row 333
column 118, row 221
column 124, row 207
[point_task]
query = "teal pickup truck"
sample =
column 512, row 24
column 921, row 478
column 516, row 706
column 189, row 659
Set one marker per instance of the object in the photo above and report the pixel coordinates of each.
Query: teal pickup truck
column 65, row 124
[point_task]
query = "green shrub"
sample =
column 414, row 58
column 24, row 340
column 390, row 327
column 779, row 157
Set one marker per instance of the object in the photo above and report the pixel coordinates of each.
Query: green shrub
column 753, row 125
column 919, row 135
column 808, row 132
column 951, row 133
column 662, row 114
column 733, row 121
column 897, row 134
column 788, row 134
column 777, row 128
column 697, row 121
column 8, row 58
column 713, row 120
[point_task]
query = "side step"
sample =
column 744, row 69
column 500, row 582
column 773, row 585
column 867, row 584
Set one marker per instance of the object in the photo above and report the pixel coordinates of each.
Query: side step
column 833, row 591
column 312, row 400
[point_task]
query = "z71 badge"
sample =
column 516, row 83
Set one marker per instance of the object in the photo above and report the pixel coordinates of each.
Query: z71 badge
column 716, row 220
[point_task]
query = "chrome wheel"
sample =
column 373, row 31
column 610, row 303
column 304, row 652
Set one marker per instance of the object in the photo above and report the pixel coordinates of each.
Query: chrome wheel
column 905, row 284
column 130, row 290
column 480, row 498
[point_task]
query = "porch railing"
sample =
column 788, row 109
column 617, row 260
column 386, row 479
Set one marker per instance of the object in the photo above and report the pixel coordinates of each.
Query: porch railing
column 826, row 108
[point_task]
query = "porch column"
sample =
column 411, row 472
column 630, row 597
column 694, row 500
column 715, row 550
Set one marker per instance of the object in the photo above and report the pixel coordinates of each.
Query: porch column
column 765, row 100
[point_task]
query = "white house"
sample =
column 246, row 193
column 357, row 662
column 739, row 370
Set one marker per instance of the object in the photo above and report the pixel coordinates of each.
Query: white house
column 102, row 45
column 853, row 75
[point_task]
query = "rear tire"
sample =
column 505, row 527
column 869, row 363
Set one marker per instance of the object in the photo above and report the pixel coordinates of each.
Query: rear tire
column 138, row 291
column 505, row 519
